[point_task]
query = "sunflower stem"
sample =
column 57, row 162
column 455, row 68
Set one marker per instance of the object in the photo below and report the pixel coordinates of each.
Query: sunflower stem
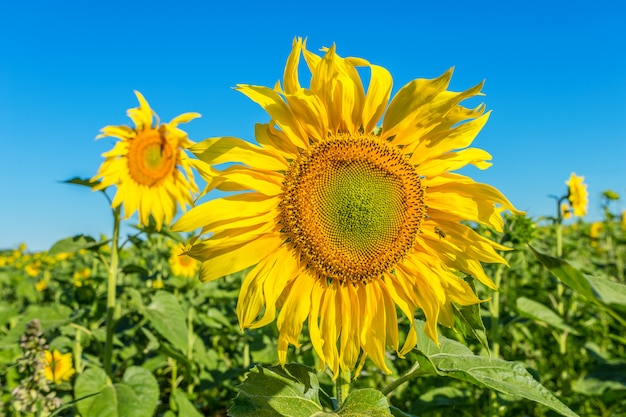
column 495, row 334
column 342, row 385
column 410, row 374
column 111, row 283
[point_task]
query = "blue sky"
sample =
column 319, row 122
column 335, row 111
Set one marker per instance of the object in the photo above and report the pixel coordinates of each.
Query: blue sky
column 555, row 80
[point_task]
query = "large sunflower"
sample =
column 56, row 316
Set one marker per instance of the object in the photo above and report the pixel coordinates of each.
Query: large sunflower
column 577, row 194
column 345, row 221
column 149, row 165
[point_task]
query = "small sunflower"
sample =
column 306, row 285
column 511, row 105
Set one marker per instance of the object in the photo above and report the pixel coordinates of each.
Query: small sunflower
column 566, row 211
column 81, row 277
column 183, row 265
column 58, row 366
column 595, row 230
column 149, row 165
column 41, row 285
column 343, row 220
column 577, row 194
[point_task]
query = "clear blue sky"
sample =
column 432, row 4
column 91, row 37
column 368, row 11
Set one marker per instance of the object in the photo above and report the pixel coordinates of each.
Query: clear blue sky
column 555, row 79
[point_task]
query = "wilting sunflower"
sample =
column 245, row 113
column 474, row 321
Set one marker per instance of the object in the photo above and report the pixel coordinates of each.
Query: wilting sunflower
column 149, row 165
column 183, row 265
column 345, row 221
column 577, row 194
column 58, row 366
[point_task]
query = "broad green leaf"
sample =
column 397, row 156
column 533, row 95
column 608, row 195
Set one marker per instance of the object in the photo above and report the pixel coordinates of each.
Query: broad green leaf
column 185, row 408
column 566, row 273
column 605, row 377
column 456, row 361
column 168, row 318
column 610, row 293
column 364, row 402
column 273, row 391
column 540, row 312
column 294, row 391
column 93, row 380
column 469, row 319
column 74, row 244
column 136, row 395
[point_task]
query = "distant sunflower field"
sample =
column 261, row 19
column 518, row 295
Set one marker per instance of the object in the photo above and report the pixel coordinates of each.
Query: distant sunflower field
column 347, row 269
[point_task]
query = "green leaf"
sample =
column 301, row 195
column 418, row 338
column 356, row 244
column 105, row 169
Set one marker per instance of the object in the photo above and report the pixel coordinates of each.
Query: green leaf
column 566, row 273
column 136, row 396
column 469, row 320
column 168, row 318
column 540, row 312
column 135, row 269
column 74, row 244
column 274, row 391
column 605, row 377
column 611, row 293
column 82, row 181
column 364, row 402
column 295, row 391
column 454, row 360
column 185, row 408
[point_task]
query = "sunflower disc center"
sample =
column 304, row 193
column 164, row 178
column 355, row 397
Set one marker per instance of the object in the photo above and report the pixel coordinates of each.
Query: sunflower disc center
column 150, row 158
column 352, row 207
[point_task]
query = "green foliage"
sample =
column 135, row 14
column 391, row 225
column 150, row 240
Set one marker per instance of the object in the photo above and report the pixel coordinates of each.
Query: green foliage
column 550, row 341
column 135, row 396
column 295, row 391
column 454, row 360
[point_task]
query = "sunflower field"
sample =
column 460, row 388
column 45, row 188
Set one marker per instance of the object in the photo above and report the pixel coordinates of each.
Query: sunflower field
column 341, row 263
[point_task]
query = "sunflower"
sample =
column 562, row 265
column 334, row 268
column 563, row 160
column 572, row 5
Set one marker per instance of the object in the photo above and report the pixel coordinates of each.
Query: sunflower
column 149, row 165
column 566, row 211
column 58, row 366
column 183, row 265
column 344, row 221
column 577, row 194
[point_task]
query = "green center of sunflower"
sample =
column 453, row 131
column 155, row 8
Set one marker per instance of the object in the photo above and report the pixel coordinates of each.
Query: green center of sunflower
column 352, row 206
column 150, row 158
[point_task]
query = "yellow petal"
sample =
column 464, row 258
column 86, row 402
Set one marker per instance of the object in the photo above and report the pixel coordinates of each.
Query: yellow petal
column 295, row 310
column 228, row 149
column 338, row 84
column 230, row 207
column 285, row 269
column 455, row 160
column 350, row 345
column 236, row 259
column 278, row 110
column 437, row 142
column 401, row 112
column 377, row 97
column 238, row 178
column 291, row 68
column 310, row 112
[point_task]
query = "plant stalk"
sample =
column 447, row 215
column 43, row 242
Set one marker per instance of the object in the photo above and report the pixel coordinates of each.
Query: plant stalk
column 111, row 296
column 342, row 385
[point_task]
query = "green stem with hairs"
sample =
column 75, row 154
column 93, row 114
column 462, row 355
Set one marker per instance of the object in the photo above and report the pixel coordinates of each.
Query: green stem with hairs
column 494, row 333
column 342, row 384
column 111, row 296
column 410, row 374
